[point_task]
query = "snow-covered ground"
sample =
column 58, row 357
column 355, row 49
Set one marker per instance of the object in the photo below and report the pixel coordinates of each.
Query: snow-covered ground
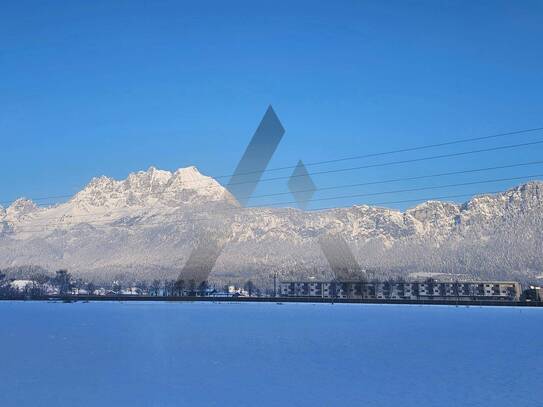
column 268, row 355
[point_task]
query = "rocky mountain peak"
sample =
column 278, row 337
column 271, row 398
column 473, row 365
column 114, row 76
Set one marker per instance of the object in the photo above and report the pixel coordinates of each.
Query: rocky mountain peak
column 145, row 181
column 150, row 221
column 143, row 188
column 432, row 211
column 20, row 208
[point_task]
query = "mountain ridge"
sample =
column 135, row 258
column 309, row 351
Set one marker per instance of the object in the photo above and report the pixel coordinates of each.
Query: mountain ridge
column 147, row 224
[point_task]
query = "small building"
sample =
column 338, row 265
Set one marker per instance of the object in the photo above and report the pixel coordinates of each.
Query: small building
column 21, row 285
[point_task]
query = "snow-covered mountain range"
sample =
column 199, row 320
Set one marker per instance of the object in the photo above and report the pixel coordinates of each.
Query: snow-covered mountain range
column 145, row 227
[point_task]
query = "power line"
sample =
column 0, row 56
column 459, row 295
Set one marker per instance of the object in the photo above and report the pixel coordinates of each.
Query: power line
column 426, row 199
column 379, row 182
column 389, row 163
column 193, row 219
column 407, row 190
column 385, row 181
column 435, row 157
column 418, row 177
column 401, row 150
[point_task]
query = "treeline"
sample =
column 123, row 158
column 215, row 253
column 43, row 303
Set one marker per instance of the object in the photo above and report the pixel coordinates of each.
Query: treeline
column 40, row 284
column 63, row 283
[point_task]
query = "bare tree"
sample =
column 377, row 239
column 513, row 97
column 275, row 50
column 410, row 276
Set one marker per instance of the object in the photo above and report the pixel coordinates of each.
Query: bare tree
column 179, row 287
column 142, row 285
column 91, row 287
column 192, row 287
column 6, row 290
column 202, row 288
column 63, row 281
column 249, row 287
column 3, row 285
column 117, row 287
column 169, row 287
column 155, row 287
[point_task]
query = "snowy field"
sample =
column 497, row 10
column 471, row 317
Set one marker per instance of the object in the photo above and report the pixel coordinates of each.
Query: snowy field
column 200, row 354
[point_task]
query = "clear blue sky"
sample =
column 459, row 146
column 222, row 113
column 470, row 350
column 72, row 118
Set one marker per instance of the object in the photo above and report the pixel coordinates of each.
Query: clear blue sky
column 92, row 88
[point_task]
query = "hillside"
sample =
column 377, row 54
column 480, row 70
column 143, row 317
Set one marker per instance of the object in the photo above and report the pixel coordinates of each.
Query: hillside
column 146, row 225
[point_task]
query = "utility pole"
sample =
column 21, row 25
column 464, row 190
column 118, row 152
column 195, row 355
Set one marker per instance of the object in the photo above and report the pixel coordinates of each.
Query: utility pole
column 275, row 284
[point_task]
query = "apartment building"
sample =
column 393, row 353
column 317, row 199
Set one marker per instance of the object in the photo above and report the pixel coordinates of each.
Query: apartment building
column 427, row 290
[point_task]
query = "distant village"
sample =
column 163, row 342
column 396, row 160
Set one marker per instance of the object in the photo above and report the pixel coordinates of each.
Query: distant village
column 63, row 284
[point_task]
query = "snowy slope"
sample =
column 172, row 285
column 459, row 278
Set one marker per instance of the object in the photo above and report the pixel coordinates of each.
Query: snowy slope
column 146, row 225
